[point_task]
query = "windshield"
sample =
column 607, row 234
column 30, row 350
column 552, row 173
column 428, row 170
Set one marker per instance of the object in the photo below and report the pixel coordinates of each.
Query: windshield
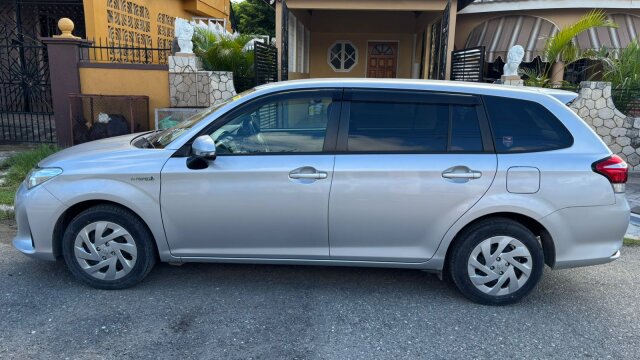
column 163, row 138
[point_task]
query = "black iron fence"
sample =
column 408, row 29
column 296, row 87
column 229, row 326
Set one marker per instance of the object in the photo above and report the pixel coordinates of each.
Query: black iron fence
column 105, row 51
column 627, row 100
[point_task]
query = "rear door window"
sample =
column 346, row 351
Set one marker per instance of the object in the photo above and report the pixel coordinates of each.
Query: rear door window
column 412, row 126
column 525, row 126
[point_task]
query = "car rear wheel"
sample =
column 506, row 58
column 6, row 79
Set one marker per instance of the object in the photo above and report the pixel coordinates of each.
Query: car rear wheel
column 496, row 262
column 108, row 247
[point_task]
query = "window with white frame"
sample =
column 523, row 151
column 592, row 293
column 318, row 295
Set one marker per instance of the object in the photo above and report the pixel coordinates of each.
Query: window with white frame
column 342, row 56
column 299, row 40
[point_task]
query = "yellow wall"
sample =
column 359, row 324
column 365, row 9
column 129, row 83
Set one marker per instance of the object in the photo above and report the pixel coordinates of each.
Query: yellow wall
column 97, row 22
column 153, row 83
column 321, row 42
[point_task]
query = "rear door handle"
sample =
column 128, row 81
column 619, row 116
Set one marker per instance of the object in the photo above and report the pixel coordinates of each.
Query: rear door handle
column 308, row 173
column 471, row 174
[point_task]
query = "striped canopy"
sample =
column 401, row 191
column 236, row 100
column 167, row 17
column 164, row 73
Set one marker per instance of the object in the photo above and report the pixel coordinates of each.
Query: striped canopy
column 500, row 34
column 609, row 38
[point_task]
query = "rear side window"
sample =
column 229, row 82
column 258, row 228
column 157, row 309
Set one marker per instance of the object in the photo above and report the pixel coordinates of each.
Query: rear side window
column 525, row 126
column 413, row 127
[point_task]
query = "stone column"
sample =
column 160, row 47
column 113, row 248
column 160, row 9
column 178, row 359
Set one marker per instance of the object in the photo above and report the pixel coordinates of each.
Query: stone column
column 64, row 55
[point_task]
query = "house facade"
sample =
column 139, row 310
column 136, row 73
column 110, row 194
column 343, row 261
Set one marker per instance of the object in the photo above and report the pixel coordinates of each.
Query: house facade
column 26, row 110
column 414, row 39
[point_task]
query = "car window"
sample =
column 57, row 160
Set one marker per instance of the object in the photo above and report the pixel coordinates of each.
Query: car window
column 413, row 127
column 282, row 126
column 163, row 138
column 520, row 125
column 465, row 129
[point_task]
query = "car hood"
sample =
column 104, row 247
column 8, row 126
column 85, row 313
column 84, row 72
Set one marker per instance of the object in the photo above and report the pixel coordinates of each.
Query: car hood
column 114, row 148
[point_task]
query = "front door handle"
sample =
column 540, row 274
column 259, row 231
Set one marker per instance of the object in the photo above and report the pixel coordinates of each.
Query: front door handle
column 467, row 174
column 308, row 173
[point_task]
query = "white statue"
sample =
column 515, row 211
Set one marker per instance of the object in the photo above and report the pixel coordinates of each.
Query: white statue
column 184, row 33
column 514, row 58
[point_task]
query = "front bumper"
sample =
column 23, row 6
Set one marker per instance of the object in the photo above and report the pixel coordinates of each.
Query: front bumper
column 36, row 213
column 585, row 236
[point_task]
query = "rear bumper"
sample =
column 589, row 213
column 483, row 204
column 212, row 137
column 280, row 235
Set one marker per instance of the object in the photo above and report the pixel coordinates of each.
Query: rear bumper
column 585, row 236
column 36, row 213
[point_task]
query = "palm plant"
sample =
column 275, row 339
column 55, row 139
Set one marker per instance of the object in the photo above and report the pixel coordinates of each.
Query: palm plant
column 623, row 72
column 220, row 52
column 561, row 50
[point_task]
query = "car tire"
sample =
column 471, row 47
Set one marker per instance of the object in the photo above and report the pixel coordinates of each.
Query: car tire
column 496, row 261
column 108, row 247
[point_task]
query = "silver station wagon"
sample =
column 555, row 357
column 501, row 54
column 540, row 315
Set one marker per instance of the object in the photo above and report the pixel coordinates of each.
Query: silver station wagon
column 482, row 184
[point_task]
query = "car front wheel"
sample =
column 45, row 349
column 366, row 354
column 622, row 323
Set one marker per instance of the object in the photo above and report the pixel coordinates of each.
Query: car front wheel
column 108, row 247
column 496, row 262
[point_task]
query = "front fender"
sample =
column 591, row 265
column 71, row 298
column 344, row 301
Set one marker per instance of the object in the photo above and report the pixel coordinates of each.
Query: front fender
column 140, row 196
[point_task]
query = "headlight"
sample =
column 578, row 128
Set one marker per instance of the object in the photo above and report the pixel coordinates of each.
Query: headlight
column 38, row 176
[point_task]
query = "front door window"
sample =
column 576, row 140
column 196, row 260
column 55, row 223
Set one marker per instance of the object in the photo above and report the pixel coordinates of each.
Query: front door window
column 293, row 125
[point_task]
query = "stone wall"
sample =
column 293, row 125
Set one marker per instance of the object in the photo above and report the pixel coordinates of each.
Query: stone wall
column 620, row 132
column 191, row 87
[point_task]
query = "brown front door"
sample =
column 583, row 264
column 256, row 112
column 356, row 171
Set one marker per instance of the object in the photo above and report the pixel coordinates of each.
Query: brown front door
column 383, row 60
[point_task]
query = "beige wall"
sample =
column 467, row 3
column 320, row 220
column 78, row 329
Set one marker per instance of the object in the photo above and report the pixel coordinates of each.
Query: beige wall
column 560, row 17
column 297, row 76
column 153, row 83
column 320, row 43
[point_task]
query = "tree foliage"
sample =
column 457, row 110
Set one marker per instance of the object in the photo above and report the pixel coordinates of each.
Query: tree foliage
column 255, row 17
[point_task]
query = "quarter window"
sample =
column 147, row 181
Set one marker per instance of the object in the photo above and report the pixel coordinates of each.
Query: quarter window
column 413, row 127
column 285, row 126
column 343, row 56
column 525, row 126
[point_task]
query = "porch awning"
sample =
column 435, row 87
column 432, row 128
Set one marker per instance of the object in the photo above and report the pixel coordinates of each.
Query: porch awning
column 609, row 38
column 500, row 34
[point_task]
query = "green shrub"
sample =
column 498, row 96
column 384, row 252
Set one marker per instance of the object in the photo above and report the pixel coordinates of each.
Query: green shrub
column 18, row 166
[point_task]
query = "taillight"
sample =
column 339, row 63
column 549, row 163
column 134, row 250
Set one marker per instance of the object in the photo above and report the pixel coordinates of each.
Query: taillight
column 615, row 169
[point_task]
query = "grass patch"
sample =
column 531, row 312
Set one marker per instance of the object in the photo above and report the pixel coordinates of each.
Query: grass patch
column 18, row 166
column 631, row 242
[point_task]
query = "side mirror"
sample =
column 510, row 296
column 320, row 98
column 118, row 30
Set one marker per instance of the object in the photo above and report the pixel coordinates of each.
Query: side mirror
column 204, row 147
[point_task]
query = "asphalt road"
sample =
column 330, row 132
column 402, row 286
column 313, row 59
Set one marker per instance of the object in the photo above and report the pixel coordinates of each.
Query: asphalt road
column 285, row 312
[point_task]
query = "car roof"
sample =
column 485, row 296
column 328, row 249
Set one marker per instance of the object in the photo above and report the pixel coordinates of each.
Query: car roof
column 418, row 84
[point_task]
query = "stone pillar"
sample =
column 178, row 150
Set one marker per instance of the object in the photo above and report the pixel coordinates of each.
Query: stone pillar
column 191, row 87
column 64, row 55
column 595, row 106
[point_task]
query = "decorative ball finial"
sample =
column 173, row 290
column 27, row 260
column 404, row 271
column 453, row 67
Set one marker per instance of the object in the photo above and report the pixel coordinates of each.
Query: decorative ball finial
column 66, row 27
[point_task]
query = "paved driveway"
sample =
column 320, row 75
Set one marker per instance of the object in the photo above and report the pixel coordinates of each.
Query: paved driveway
column 286, row 312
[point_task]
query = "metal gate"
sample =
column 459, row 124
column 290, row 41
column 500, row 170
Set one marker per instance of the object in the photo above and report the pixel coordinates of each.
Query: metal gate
column 265, row 63
column 26, row 113
column 439, row 47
